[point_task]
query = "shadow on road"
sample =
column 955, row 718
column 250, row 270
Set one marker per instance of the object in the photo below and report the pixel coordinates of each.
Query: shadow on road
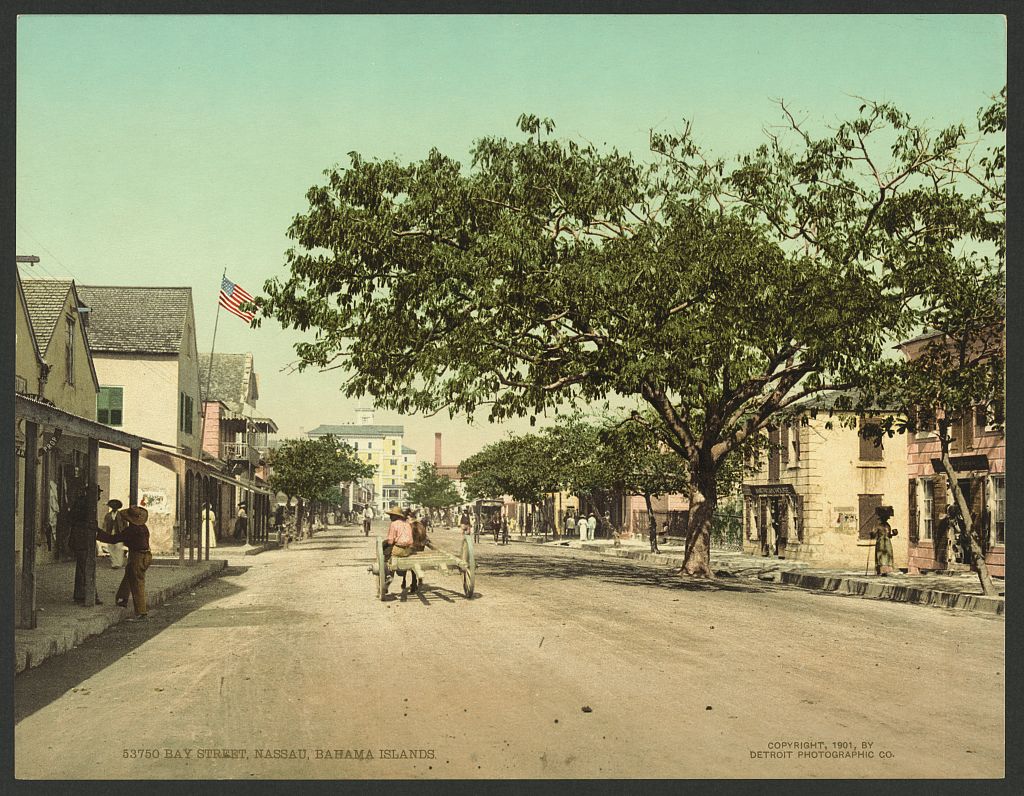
column 525, row 565
column 36, row 688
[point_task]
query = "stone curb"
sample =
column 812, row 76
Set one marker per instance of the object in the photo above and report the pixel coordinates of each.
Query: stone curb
column 879, row 590
column 31, row 650
column 897, row 592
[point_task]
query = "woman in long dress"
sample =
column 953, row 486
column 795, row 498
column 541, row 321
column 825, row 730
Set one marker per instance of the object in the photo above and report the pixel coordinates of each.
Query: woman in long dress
column 883, row 533
column 207, row 513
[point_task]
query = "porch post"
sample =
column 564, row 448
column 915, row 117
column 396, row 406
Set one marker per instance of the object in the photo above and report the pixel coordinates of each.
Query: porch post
column 28, row 553
column 133, row 477
column 90, row 568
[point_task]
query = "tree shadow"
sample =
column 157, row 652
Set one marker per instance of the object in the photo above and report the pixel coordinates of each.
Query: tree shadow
column 622, row 573
column 37, row 687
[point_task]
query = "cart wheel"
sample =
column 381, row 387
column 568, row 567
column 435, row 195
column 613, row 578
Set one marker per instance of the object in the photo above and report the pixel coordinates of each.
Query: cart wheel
column 469, row 573
column 382, row 588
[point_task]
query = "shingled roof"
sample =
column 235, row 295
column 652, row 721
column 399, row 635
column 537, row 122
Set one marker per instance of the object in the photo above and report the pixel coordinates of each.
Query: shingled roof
column 229, row 378
column 45, row 299
column 147, row 320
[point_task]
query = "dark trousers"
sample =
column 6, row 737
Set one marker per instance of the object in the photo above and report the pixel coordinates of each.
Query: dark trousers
column 134, row 581
column 85, row 570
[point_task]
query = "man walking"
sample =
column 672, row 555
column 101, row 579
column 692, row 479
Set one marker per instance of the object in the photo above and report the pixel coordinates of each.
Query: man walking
column 367, row 519
column 591, row 526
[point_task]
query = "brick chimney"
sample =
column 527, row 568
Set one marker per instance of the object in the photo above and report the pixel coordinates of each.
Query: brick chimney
column 437, row 449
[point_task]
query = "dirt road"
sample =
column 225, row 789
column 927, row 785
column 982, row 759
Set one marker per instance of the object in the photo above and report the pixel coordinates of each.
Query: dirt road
column 566, row 664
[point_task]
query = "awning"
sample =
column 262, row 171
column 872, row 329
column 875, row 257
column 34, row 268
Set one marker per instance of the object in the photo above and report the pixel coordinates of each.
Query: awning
column 47, row 415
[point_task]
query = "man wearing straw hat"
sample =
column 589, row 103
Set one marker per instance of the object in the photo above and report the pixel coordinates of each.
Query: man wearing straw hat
column 136, row 538
column 399, row 541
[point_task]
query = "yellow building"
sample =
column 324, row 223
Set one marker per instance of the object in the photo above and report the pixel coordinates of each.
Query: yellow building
column 815, row 494
column 381, row 446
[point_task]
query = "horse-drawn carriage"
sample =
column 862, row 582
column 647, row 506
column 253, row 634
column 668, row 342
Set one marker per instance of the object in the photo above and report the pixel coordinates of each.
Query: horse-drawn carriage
column 430, row 558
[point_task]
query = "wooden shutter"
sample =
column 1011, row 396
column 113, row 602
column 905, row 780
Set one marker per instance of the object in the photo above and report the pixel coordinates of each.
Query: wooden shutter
column 866, row 505
column 800, row 518
column 939, row 501
column 914, row 533
column 967, row 430
column 869, row 451
column 773, row 455
column 784, row 443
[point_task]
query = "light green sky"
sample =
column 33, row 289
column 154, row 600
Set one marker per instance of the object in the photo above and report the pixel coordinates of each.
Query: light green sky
column 158, row 150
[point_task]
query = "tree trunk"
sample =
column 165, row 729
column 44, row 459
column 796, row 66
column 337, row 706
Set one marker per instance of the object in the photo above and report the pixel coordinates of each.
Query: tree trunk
column 652, row 523
column 988, row 588
column 298, row 519
column 703, row 501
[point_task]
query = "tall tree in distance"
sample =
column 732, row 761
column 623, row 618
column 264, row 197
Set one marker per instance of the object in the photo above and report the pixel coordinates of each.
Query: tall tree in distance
column 431, row 490
column 550, row 273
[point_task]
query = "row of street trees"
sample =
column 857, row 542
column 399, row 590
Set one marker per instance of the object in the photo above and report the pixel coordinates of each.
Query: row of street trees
column 311, row 470
column 550, row 274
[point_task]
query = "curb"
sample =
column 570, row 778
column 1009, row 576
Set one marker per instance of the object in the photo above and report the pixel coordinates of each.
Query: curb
column 39, row 648
column 894, row 592
column 897, row 592
column 262, row 548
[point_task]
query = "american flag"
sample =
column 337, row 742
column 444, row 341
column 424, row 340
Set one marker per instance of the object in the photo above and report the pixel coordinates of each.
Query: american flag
column 231, row 298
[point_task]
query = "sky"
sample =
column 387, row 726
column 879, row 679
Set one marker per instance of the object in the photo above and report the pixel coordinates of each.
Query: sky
column 162, row 150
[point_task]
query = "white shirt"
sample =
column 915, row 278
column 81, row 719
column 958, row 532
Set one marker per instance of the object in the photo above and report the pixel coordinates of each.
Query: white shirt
column 368, row 513
column 592, row 523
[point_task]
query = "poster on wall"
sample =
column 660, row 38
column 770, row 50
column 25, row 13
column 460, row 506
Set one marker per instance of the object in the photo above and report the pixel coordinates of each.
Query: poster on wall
column 155, row 501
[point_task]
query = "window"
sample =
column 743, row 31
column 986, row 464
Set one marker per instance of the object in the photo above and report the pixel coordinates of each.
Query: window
column 109, row 406
column 925, row 419
column 928, row 508
column 796, row 445
column 369, row 446
column 784, row 443
column 355, row 445
column 988, row 416
column 392, row 471
column 999, row 509
column 69, row 354
column 186, row 408
column 869, row 450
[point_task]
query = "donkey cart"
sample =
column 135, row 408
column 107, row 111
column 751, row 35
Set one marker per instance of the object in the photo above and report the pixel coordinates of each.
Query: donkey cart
column 430, row 558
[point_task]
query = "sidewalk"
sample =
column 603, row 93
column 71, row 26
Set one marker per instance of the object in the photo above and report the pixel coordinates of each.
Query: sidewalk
column 63, row 625
column 960, row 591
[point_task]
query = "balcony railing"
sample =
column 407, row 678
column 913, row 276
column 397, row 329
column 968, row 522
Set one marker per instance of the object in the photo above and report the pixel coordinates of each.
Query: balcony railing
column 235, row 451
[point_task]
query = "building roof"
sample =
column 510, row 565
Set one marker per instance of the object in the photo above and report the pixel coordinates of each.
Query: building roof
column 45, row 299
column 147, row 320
column 839, row 401
column 407, row 450
column 28, row 316
column 450, row 470
column 355, row 430
column 228, row 378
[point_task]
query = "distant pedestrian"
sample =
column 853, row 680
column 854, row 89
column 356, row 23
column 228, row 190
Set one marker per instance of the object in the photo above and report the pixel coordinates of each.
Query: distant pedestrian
column 570, row 523
column 207, row 527
column 136, row 538
column 279, row 516
column 882, row 534
column 241, row 522
column 82, row 541
column 652, row 525
column 464, row 523
column 112, row 523
column 367, row 519
column 581, row 528
column 606, row 524
column 504, row 530
column 529, row 524
column 591, row 526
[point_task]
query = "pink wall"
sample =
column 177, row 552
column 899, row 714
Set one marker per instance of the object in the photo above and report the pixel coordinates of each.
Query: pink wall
column 211, row 428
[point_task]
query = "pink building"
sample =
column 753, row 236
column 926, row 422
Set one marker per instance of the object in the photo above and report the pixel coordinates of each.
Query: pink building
column 978, row 454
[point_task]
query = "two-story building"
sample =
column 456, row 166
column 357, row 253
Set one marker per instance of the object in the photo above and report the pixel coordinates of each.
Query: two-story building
column 234, row 432
column 978, row 455
column 144, row 347
column 817, row 487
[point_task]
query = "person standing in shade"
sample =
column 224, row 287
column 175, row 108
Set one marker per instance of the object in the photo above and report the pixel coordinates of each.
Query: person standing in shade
column 82, row 541
column 591, row 526
column 241, row 522
column 207, row 514
column 882, row 534
column 581, row 528
column 570, row 523
column 136, row 538
column 113, row 522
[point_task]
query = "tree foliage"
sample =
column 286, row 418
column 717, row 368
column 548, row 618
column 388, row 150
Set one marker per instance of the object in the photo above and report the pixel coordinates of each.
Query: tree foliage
column 433, row 490
column 312, row 468
column 551, row 272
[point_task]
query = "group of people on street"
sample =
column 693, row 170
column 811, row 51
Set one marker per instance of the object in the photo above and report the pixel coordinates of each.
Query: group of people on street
column 123, row 529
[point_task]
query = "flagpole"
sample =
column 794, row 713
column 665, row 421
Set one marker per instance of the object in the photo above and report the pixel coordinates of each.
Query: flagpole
column 202, row 428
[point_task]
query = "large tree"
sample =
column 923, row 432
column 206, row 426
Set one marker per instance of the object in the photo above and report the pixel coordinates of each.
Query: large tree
column 433, row 490
column 312, row 469
column 550, row 273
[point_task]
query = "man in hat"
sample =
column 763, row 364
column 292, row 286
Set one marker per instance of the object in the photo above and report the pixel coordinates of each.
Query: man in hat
column 136, row 538
column 113, row 522
column 399, row 541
